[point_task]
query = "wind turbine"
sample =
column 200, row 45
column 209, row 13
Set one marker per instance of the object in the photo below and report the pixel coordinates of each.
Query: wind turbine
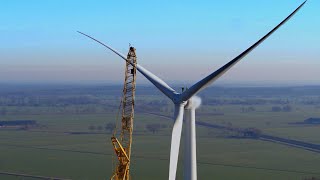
column 186, row 102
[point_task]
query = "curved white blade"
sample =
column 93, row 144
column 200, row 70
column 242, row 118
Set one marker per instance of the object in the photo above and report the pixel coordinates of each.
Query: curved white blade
column 215, row 75
column 159, row 83
column 175, row 140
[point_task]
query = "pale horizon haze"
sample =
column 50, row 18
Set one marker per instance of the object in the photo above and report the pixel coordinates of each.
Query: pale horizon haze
column 180, row 41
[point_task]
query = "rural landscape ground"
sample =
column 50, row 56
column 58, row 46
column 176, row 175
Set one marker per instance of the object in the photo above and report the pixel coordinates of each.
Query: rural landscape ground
column 70, row 136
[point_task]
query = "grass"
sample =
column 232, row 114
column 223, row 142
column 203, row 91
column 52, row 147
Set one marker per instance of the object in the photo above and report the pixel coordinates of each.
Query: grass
column 89, row 156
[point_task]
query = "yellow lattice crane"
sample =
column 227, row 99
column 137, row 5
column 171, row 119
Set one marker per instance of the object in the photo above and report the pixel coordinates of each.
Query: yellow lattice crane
column 122, row 146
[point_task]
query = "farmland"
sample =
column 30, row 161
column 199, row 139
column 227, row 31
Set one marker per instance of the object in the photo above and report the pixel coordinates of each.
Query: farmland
column 71, row 140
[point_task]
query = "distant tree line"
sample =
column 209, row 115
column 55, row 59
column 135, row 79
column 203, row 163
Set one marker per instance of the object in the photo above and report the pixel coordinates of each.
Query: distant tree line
column 248, row 109
column 286, row 108
column 312, row 178
column 243, row 101
column 48, row 100
column 108, row 127
column 155, row 127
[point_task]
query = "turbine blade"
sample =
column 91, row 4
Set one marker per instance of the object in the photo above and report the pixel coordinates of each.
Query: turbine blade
column 159, row 83
column 113, row 50
column 175, row 140
column 215, row 75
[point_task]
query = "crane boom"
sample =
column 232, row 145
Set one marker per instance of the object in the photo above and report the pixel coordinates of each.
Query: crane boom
column 122, row 147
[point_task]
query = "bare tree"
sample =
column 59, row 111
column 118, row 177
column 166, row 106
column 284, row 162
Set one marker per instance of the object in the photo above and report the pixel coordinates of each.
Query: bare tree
column 91, row 128
column 110, row 127
column 153, row 127
column 99, row 128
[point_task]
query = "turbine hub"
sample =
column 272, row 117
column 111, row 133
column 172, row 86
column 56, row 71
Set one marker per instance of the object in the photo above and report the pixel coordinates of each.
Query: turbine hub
column 193, row 103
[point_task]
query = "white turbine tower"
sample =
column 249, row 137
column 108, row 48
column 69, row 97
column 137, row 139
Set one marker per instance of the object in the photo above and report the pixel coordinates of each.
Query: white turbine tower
column 187, row 102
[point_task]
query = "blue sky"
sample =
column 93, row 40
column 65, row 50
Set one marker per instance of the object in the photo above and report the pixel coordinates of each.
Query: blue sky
column 179, row 41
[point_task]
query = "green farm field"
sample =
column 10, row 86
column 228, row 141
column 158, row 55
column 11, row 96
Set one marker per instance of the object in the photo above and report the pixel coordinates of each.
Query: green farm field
column 63, row 144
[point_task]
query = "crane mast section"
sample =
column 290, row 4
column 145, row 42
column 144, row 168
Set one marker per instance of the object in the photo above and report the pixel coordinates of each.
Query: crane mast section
column 122, row 147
